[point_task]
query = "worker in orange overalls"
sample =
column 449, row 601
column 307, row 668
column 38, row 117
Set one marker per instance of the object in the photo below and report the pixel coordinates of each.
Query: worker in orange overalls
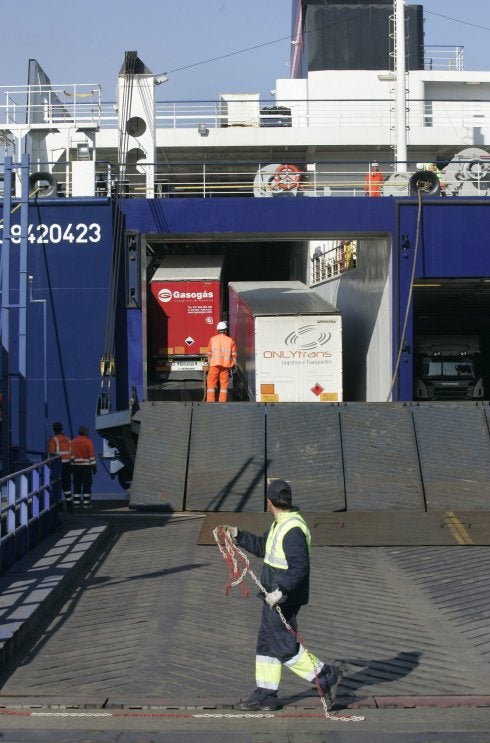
column 84, row 465
column 373, row 183
column 222, row 356
column 61, row 444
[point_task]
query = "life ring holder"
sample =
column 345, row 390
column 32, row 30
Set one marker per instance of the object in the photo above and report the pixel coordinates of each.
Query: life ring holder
column 43, row 191
column 287, row 176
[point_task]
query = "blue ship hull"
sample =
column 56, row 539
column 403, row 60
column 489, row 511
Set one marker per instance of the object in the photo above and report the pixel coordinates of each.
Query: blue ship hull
column 71, row 262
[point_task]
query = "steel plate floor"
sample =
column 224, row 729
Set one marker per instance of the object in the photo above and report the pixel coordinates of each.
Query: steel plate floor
column 150, row 624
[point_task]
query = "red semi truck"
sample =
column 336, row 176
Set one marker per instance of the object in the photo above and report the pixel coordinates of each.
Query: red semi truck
column 185, row 308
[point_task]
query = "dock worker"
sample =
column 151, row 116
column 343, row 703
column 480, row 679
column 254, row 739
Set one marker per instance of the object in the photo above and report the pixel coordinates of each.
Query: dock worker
column 285, row 548
column 84, row 466
column 60, row 444
column 222, row 355
column 373, row 183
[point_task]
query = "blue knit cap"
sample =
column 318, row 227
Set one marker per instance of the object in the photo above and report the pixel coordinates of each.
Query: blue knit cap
column 279, row 492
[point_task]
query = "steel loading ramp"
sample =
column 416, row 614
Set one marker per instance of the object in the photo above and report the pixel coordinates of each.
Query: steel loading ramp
column 406, row 622
column 304, row 447
column 381, row 466
column 454, row 448
column 348, row 456
column 371, row 528
column 161, row 456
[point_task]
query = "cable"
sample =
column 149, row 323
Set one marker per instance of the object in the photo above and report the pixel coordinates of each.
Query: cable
column 304, row 33
column 289, row 38
column 457, row 20
column 410, row 293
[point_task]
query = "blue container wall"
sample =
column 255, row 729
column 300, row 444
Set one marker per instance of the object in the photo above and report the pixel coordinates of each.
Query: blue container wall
column 70, row 259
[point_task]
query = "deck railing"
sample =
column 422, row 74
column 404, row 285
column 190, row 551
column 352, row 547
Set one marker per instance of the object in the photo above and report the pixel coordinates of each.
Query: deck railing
column 440, row 57
column 81, row 106
column 29, row 509
column 77, row 104
column 172, row 179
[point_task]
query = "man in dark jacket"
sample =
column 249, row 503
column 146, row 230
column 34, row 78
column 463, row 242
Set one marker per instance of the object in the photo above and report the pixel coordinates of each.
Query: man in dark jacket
column 285, row 548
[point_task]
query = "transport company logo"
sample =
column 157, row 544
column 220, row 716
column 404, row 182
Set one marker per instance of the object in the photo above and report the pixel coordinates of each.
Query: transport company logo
column 164, row 295
column 303, row 345
column 307, row 338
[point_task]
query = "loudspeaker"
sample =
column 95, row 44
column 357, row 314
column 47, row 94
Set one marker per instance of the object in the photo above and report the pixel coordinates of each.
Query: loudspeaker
column 424, row 181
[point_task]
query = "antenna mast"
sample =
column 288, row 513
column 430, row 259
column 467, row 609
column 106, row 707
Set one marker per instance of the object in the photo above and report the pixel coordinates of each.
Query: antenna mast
column 400, row 87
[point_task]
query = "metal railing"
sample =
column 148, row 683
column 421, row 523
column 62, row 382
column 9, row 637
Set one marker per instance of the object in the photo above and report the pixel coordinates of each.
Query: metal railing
column 468, row 174
column 172, row 179
column 29, row 509
column 440, row 57
column 62, row 107
column 333, row 258
column 51, row 104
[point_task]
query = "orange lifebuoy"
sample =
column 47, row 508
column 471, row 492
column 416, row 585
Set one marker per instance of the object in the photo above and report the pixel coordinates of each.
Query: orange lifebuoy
column 287, row 176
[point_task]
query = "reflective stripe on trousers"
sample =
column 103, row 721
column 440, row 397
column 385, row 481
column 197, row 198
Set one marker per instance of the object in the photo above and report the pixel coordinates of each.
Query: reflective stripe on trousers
column 217, row 374
column 276, row 645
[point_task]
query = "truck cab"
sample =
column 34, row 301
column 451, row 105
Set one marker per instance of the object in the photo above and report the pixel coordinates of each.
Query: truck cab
column 448, row 368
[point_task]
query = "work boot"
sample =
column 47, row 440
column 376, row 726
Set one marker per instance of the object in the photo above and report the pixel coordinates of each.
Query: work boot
column 256, row 702
column 329, row 679
column 77, row 501
column 69, row 504
column 87, row 501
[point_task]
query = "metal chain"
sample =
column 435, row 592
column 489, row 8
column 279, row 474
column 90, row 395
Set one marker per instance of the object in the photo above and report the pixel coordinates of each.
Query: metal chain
column 229, row 551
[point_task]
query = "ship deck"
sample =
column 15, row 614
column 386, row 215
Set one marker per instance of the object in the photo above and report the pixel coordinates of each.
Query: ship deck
column 145, row 624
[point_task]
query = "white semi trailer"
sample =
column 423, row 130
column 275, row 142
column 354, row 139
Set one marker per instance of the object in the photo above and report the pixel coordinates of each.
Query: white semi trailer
column 289, row 343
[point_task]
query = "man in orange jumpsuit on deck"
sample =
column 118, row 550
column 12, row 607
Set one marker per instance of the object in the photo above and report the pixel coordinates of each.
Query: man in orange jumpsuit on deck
column 61, row 444
column 222, row 356
column 373, row 183
column 84, row 466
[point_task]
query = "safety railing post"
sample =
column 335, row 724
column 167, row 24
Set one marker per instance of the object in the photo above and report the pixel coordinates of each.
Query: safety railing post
column 11, row 507
column 35, row 494
column 23, row 500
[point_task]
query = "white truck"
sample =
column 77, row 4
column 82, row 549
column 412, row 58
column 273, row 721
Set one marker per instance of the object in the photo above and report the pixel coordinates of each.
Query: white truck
column 447, row 367
column 289, row 342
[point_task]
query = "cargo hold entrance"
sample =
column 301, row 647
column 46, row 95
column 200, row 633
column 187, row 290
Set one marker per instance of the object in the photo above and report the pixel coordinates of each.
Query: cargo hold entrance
column 245, row 260
column 451, row 339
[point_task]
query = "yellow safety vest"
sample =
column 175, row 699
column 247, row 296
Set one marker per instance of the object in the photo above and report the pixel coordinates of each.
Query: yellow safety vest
column 274, row 552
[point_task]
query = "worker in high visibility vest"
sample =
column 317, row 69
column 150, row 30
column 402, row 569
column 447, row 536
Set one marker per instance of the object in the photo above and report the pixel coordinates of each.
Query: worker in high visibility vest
column 285, row 548
column 61, row 444
column 222, row 355
column 84, row 466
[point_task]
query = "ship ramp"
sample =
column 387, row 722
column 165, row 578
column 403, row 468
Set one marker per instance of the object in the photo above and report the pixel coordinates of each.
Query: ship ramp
column 399, row 583
column 147, row 628
column 353, row 457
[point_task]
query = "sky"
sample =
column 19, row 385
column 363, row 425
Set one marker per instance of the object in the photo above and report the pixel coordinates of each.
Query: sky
column 85, row 42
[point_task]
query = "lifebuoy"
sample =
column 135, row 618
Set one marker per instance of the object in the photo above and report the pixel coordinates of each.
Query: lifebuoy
column 287, row 176
column 45, row 191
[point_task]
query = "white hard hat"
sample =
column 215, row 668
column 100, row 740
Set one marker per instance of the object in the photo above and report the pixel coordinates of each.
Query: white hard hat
column 375, row 165
column 221, row 325
column 420, row 166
